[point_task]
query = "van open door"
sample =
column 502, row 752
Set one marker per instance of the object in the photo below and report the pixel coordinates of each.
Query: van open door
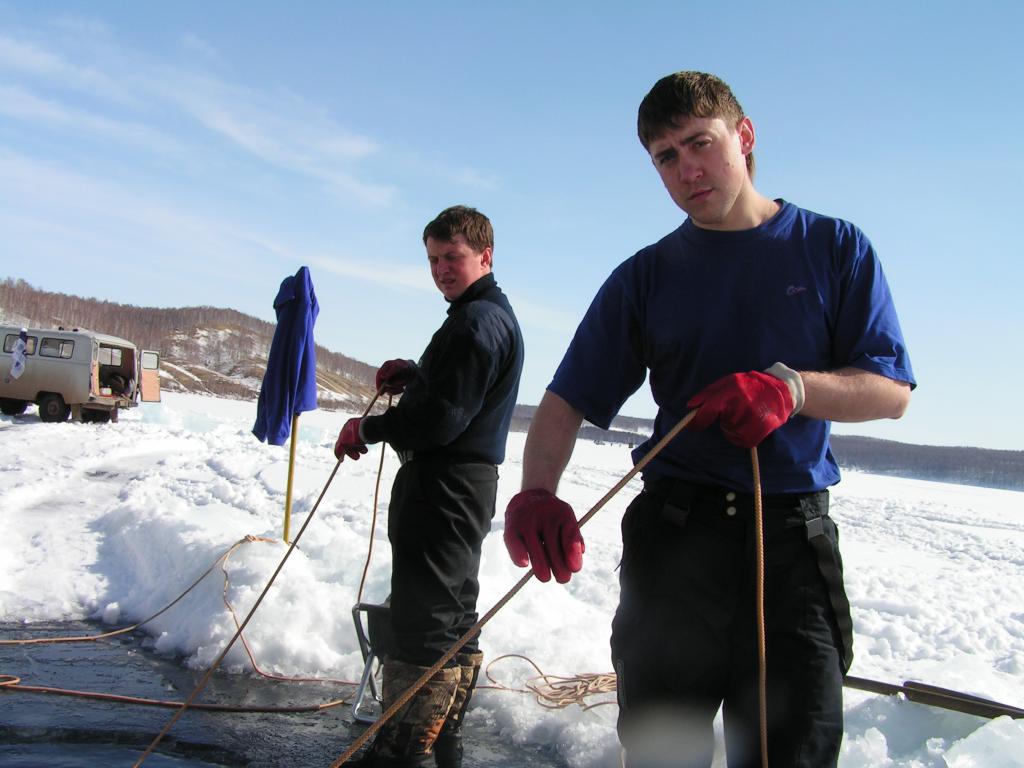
column 94, row 375
column 149, row 381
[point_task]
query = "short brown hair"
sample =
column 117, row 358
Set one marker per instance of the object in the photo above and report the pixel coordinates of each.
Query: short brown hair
column 465, row 221
column 682, row 95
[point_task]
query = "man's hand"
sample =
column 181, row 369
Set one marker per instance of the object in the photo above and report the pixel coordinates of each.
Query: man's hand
column 541, row 529
column 394, row 376
column 349, row 443
column 748, row 406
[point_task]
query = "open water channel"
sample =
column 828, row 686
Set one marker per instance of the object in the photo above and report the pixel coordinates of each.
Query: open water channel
column 71, row 732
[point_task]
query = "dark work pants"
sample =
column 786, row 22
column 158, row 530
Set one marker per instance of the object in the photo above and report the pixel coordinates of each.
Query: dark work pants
column 440, row 512
column 684, row 635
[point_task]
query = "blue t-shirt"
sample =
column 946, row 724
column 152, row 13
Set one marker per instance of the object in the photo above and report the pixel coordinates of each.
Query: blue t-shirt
column 802, row 289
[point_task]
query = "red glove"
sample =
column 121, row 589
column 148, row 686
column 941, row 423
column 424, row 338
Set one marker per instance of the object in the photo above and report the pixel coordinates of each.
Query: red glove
column 349, row 443
column 394, row 376
column 748, row 406
column 541, row 529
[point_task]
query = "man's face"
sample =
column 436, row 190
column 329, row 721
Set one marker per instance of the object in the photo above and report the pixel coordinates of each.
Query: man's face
column 455, row 265
column 703, row 165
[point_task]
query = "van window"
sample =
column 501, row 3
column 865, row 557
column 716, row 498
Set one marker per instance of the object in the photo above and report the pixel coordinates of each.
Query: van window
column 56, row 348
column 150, row 360
column 30, row 343
column 110, row 356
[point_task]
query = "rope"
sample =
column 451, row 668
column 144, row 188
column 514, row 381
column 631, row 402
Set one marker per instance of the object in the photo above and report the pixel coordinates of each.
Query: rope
column 15, row 686
column 248, row 650
column 115, row 633
column 209, row 673
column 554, row 691
column 762, row 664
column 14, row 683
column 402, row 700
column 373, row 519
column 551, row 692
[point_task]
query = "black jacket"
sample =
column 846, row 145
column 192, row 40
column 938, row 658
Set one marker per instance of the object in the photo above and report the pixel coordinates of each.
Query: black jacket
column 460, row 404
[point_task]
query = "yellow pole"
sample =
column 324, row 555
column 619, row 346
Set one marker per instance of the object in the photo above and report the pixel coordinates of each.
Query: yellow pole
column 291, row 474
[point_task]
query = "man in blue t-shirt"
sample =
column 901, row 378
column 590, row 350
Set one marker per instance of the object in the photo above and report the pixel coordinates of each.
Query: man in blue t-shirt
column 770, row 322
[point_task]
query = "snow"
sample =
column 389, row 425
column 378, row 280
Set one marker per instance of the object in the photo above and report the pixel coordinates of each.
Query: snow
column 113, row 521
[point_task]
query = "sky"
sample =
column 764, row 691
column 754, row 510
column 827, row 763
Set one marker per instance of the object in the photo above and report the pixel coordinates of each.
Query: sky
column 195, row 153
column 143, row 507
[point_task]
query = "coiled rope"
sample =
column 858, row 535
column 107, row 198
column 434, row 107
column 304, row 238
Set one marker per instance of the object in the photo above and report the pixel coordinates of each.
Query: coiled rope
column 555, row 691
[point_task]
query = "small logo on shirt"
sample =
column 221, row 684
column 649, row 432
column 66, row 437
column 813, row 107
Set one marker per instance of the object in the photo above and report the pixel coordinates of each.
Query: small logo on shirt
column 793, row 290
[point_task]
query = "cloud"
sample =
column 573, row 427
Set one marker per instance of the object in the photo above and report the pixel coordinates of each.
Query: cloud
column 283, row 131
column 21, row 104
column 545, row 318
column 123, row 218
column 94, row 211
column 84, row 83
column 279, row 129
column 471, row 177
column 391, row 275
column 194, row 45
column 17, row 56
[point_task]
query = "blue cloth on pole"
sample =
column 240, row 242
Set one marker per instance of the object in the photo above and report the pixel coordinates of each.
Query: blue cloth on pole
column 289, row 384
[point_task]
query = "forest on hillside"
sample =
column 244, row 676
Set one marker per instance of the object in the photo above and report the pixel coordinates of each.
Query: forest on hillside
column 219, row 338
column 236, row 345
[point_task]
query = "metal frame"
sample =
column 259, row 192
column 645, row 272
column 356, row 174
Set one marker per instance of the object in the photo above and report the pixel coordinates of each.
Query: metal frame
column 368, row 703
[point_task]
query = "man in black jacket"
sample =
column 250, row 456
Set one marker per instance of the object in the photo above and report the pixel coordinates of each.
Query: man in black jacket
column 449, row 428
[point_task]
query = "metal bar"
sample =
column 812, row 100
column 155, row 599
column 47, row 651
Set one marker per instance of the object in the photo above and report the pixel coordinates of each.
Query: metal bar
column 934, row 696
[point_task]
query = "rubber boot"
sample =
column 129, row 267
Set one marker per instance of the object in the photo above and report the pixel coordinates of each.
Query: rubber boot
column 407, row 738
column 448, row 747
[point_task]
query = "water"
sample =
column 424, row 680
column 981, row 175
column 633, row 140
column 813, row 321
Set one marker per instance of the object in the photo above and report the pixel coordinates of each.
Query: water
column 73, row 732
column 44, row 729
column 78, row 755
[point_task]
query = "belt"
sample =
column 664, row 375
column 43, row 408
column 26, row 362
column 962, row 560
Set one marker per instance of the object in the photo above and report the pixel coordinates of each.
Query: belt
column 438, row 457
column 681, row 496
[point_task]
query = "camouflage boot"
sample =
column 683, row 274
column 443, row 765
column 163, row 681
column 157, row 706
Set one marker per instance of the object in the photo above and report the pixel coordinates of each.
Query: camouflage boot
column 448, row 747
column 407, row 738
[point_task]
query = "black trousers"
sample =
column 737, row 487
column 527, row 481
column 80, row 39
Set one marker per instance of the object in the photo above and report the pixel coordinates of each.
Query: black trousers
column 440, row 512
column 684, row 635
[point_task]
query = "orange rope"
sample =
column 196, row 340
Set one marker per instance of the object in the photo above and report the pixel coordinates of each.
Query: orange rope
column 213, row 667
column 248, row 650
column 15, row 686
column 555, row 691
column 762, row 663
column 370, row 732
column 85, row 638
column 550, row 691
column 373, row 519
column 14, row 683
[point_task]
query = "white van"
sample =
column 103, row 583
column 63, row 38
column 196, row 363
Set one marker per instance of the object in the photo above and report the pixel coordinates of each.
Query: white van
column 77, row 373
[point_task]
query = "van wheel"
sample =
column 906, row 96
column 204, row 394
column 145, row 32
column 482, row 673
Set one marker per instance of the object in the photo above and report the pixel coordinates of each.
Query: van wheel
column 10, row 407
column 53, row 408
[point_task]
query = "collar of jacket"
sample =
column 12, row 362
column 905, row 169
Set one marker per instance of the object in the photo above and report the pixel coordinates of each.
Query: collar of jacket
column 473, row 292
